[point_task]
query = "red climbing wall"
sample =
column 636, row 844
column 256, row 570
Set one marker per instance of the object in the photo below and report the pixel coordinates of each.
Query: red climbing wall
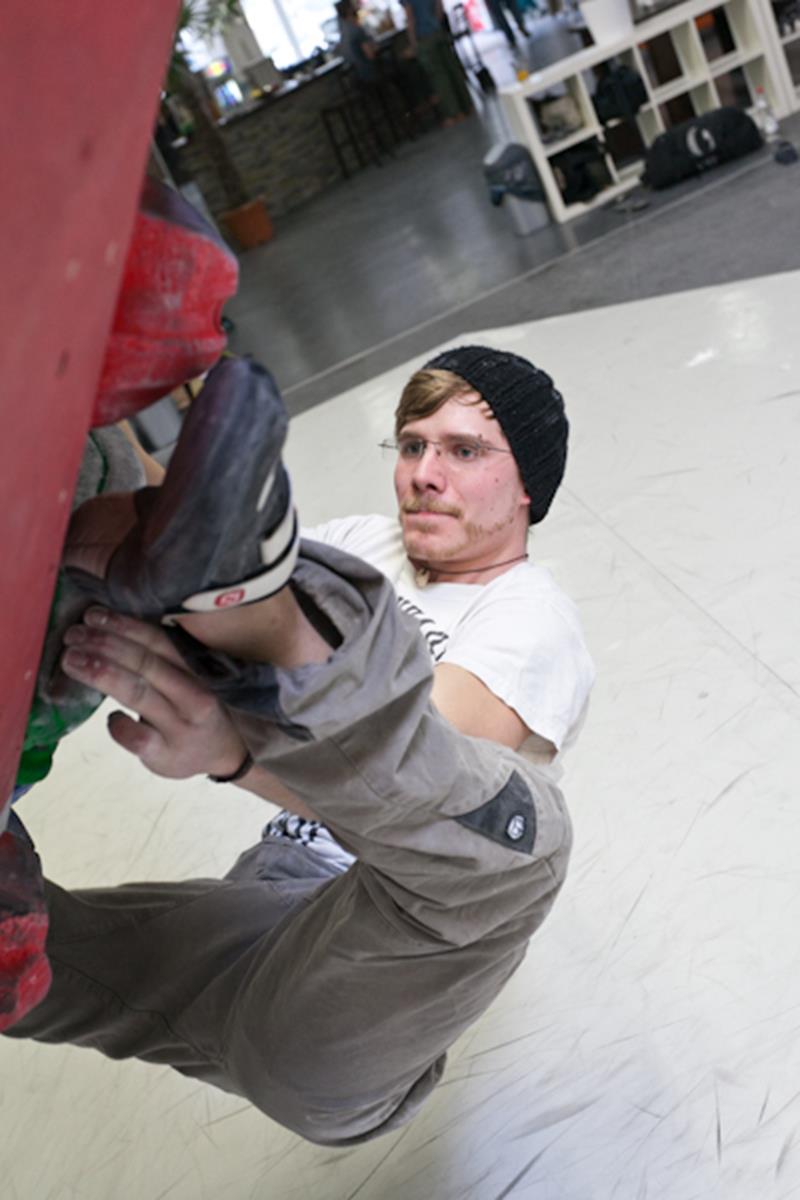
column 80, row 87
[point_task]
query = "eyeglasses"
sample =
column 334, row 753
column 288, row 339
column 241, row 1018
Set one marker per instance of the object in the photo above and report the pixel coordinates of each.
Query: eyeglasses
column 459, row 451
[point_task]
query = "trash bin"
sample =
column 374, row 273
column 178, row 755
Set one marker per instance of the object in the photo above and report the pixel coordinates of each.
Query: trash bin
column 514, row 182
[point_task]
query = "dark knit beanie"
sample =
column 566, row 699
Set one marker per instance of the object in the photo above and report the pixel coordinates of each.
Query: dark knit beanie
column 529, row 409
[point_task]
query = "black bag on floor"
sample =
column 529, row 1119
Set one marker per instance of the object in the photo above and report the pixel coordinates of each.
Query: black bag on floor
column 581, row 172
column 698, row 145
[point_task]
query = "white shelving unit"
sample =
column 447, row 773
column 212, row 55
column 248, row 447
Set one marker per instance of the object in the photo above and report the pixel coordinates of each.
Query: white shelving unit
column 692, row 58
column 789, row 43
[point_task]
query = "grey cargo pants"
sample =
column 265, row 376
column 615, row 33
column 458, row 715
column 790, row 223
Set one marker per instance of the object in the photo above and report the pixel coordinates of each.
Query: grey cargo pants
column 328, row 1003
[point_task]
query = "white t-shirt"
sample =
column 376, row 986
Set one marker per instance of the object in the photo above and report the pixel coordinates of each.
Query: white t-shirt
column 519, row 633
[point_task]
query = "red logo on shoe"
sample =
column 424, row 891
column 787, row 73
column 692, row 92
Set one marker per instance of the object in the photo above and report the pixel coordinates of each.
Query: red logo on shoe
column 228, row 599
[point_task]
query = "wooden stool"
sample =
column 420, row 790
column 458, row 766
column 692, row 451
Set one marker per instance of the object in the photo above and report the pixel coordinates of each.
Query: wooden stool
column 354, row 124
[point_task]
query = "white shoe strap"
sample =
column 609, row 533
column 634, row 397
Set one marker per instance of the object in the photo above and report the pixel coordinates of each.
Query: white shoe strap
column 279, row 554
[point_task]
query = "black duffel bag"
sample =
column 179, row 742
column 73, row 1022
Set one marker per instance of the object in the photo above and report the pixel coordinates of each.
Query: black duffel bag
column 698, row 145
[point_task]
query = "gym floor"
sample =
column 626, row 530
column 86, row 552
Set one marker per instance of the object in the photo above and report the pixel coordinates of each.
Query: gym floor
column 647, row 1048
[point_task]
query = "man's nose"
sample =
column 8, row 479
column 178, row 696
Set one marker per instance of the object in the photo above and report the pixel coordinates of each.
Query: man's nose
column 429, row 468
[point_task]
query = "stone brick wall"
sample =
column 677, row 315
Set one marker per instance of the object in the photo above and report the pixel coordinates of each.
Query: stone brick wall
column 281, row 148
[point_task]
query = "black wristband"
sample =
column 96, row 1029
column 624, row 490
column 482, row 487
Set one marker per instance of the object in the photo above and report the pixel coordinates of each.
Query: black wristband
column 238, row 774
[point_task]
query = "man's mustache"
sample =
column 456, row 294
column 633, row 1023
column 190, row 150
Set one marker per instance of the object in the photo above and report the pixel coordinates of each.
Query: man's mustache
column 419, row 505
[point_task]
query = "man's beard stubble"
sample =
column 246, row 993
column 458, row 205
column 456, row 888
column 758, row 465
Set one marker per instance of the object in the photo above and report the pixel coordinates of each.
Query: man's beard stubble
column 471, row 533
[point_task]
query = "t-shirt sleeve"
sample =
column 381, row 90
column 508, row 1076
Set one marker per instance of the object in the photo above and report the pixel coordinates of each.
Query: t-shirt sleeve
column 342, row 532
column 531, row 654
column 372, row 538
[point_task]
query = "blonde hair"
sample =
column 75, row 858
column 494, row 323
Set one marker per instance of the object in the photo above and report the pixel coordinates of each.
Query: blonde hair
column 425, row 393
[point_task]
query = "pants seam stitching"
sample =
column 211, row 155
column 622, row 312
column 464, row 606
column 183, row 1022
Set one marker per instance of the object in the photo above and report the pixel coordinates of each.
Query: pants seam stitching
column 146, row 1012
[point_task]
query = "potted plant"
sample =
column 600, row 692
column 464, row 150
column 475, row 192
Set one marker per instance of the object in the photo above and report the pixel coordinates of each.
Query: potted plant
column 246, row 217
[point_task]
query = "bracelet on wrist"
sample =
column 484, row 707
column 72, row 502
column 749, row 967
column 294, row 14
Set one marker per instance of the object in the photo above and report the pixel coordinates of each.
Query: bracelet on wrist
column 239, row 773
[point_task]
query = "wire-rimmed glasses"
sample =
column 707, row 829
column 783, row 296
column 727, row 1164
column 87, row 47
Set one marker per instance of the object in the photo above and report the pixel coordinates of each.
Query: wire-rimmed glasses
column 458, row 450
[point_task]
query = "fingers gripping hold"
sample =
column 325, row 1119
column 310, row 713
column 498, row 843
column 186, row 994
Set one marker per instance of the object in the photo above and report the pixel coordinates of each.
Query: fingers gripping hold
column 182, row 730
